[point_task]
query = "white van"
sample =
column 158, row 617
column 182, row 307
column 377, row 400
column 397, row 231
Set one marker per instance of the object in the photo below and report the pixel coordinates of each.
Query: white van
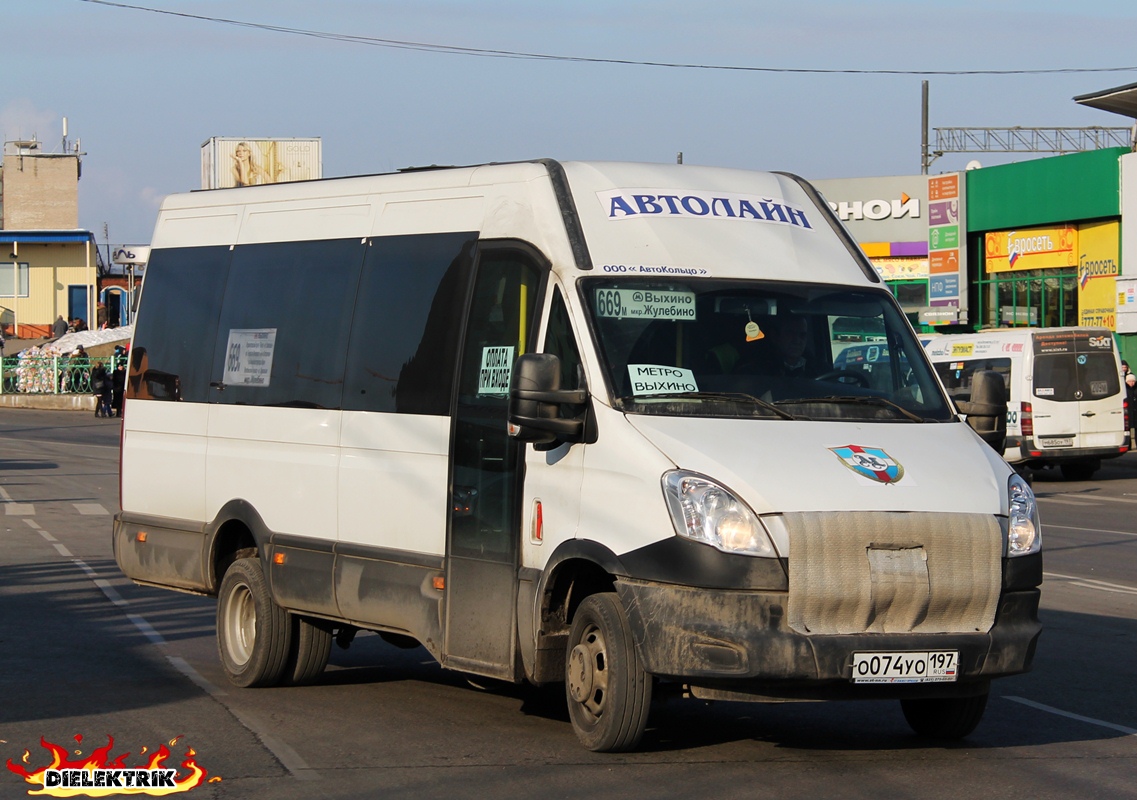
column 566, row 422
column 1066, row 400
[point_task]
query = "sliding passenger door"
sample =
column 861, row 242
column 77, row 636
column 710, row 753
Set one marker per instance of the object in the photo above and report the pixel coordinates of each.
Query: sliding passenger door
column 486, row 468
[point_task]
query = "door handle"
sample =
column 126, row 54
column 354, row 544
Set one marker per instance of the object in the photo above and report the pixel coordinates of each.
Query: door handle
column 1089, row 414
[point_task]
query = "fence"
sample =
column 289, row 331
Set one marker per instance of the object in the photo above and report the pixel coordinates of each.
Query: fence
column 41, row 374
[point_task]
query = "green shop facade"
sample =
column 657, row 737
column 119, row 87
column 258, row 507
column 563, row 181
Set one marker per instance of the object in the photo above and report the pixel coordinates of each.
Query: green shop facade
column 1044, row 243
column 1031, row 244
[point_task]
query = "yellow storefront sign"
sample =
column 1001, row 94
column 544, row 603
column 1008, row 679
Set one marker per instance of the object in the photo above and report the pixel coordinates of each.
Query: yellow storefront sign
column 1098, row 258
column 1031, row 248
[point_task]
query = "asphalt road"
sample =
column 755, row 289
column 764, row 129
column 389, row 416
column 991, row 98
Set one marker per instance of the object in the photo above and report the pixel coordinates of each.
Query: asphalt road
column 86, row 655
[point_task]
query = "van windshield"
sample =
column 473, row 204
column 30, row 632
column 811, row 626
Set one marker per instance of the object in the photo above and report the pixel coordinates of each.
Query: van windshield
column 763, row 349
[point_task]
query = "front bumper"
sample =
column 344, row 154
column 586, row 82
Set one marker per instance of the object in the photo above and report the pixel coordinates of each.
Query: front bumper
column 730, row 643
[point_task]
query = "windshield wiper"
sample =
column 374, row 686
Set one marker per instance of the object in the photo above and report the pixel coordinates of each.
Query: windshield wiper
column 862, row 400
column 733, row 397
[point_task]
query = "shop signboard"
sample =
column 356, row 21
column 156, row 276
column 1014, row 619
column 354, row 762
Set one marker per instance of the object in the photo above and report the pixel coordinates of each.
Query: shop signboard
column 1126, row 305
column 901, row 269
column 1098, row 258
column 1031, row 248
column 888, row 217
column 947, row 257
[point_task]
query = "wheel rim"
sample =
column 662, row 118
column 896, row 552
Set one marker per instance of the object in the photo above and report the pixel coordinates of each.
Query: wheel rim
column 240, row 624
column 588, row 671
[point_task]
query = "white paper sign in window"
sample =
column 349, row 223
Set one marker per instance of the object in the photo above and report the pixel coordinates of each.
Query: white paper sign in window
column 659, row 379
column 248, row 357
column 497, row 366
column 645, row 304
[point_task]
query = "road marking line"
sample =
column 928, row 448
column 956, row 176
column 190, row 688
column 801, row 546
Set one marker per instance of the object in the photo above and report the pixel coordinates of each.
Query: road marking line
column 1091, row 530
column 285, row 754
column 31, row 523
column 1091, row 583
column 1069, row 715
column 291, row 760
column 91, row 509
column 1065, row 501
column 14, row 509
column 1111, row 499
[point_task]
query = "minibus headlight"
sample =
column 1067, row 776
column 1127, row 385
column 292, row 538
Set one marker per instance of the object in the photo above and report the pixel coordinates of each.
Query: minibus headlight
column 1024, row 532
column 707, row 512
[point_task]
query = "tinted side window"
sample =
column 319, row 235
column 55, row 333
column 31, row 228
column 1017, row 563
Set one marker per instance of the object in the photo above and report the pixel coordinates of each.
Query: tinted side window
column 409, row 314
column 957, row 375
column 177, row 324
column 560, row 342
column 283, row 333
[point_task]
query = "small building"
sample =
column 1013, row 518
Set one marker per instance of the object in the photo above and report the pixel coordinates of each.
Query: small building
column 48, row 265
column 45, row 275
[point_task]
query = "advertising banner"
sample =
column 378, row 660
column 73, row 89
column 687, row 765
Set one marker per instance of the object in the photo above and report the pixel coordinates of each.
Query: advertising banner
column 227, row 162
column 947, row 253
column 1098, row 257
column 1031, row 248
column 901, row 269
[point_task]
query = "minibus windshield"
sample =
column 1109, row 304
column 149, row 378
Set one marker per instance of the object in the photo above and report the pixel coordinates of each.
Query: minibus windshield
column 762, row 349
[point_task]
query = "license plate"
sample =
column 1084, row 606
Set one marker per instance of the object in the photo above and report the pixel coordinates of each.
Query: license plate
column 1060, row 441
column 937, row 666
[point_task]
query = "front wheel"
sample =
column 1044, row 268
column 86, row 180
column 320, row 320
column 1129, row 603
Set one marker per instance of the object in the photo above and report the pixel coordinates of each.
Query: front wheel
column 608, row 691
column 254, row 634
column 945, row 718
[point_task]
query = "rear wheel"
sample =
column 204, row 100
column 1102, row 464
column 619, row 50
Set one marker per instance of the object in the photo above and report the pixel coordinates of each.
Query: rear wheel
column 609, row 693
column 945, row 718
column 308, row 655
column 253, row 633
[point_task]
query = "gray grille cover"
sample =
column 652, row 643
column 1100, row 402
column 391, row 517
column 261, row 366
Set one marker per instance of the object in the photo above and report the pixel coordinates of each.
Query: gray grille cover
column 885, row 572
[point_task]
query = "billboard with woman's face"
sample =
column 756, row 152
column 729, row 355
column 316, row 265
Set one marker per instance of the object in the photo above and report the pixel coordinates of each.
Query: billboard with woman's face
column 227, row 162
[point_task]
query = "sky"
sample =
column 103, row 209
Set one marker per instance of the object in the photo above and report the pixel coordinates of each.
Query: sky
column 142, row 91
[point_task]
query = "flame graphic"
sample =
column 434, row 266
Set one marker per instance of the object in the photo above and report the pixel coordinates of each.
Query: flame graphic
column 100, row 759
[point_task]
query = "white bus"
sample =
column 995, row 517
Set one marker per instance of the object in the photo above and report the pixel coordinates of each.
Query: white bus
column 572, row 423
column 1066, row 400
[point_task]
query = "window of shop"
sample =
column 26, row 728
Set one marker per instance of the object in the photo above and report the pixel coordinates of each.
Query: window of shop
column 913, row 296
column 1041, row 298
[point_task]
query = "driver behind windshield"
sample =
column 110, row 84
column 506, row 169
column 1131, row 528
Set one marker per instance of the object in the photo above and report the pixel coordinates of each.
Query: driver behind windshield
column 790, row 338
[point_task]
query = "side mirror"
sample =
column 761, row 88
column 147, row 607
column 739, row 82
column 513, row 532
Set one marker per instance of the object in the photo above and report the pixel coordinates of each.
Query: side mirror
column 535, row 398
column 987, row 410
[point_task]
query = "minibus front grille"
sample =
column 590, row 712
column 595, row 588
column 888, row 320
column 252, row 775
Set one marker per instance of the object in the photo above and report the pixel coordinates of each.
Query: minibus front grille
column 893, row 572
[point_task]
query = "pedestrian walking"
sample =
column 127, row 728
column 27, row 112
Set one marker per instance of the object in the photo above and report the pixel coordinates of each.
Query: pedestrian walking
column 102, row 389
column 118, row 386
column 1131, row 403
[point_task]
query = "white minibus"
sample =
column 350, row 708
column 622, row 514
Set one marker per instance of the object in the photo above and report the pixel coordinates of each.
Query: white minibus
column 1066, row 400
column 574, row 423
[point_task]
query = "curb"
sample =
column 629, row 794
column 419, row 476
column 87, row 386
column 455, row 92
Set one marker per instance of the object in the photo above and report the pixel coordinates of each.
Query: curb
column 49, row 402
